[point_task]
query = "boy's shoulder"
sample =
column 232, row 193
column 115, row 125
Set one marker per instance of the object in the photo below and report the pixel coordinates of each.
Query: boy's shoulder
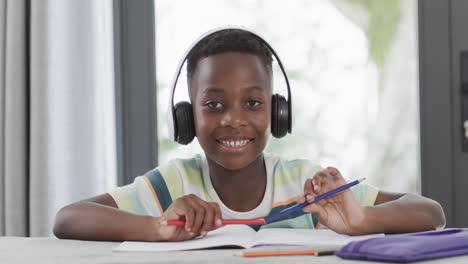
column 185, row 169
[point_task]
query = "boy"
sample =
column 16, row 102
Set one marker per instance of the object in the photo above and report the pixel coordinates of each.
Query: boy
column 230, row 86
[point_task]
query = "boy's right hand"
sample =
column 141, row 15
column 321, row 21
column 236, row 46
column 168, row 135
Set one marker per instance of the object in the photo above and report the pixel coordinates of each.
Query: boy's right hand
column 200, row 217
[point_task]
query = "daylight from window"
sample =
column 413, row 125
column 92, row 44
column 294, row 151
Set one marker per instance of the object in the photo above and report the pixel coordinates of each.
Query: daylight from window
column 352, row 66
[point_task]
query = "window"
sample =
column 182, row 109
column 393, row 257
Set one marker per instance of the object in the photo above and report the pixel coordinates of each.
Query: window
column 352, row 65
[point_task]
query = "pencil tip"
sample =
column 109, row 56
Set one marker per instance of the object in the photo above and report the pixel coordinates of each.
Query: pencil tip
column 362, row 179
column 164, row 223
column 238, row 254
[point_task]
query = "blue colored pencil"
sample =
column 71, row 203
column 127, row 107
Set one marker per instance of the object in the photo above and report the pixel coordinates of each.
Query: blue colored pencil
column 272, row 218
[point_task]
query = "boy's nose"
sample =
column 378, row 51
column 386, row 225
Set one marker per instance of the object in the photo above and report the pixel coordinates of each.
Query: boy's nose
column 233, row 119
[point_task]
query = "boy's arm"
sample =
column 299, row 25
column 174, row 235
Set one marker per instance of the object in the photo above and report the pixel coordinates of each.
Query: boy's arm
column 99, row 218
column 398, row 213
column 391, row 213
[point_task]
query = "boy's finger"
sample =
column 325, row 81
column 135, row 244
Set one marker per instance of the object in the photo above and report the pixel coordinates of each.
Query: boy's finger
column 315, row 209
column 328, row 184
column 195, row 221
column 334, row 173
column 198, row 219
column 217, row 215
column 206, row 215
column 301, row 198
column 180, row 210
column 326, row 181
column 309, row 191
column 316, row 185
column 183, row 209
column 208, row 220
column 308, row 188
column 189, row 216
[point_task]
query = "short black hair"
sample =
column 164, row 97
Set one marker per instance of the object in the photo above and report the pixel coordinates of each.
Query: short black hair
column 225, row 41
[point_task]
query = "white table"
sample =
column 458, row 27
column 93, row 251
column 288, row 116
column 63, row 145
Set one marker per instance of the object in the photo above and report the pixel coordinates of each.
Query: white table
column 50, row 250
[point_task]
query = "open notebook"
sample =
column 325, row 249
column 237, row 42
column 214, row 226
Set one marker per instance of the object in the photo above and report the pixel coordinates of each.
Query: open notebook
column 243, row 236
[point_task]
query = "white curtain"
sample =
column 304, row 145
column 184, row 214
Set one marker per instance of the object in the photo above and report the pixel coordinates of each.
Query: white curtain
column 71, row 123
column 13, row 118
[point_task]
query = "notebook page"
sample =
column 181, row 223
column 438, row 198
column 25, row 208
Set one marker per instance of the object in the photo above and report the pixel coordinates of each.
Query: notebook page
column 230, row 235
column 315, row 238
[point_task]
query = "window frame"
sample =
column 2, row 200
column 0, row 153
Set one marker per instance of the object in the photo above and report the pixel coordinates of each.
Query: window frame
column 444, row 166
column 135, row 86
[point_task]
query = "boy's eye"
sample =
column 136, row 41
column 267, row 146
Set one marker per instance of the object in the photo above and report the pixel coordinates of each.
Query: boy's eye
column 253, row 103
column 214, row 104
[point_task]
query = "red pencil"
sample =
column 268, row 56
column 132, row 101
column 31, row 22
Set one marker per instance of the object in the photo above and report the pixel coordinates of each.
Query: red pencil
column 259, row 221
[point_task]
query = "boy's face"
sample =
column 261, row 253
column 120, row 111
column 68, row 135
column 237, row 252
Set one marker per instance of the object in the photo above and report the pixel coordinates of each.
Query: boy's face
column 231, row 99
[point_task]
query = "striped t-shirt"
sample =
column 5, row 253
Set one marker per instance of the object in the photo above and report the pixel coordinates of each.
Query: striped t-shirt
column 152, row 193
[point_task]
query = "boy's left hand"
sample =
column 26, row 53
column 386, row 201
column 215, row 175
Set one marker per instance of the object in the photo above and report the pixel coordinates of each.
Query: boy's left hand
column 340, row 212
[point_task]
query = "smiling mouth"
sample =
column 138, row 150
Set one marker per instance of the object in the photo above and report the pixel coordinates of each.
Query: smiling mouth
column 234, row 143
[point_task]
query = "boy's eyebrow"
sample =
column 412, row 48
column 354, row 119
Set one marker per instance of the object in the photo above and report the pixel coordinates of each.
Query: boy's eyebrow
column 255, row 88
column 219, row 90
column 212, row 90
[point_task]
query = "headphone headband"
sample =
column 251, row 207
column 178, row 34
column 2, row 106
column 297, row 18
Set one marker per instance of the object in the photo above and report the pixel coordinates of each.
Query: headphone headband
column 213, row 31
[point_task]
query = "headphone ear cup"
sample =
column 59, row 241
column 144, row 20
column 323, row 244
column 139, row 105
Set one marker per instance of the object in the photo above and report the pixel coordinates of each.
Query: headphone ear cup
column 279, row 116
column 183, row 124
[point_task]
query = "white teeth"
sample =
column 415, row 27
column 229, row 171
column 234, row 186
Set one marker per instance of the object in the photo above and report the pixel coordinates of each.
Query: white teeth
column 232, row 143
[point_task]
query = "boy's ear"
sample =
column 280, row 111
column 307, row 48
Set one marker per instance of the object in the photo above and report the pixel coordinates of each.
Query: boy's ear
column 184, row 127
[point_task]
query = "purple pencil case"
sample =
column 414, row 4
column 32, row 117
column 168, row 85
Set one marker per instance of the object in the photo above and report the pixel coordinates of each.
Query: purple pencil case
column 408, row 247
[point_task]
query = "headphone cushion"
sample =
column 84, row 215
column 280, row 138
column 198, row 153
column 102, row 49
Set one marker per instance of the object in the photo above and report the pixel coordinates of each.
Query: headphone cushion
column 184, row 125
column 279, row 116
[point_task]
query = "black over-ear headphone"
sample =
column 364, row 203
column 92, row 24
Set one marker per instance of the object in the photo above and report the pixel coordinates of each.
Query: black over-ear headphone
column 182, row 114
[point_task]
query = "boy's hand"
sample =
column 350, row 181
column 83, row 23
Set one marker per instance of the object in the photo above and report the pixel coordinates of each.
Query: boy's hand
column 339, row 212
column 200, row 217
